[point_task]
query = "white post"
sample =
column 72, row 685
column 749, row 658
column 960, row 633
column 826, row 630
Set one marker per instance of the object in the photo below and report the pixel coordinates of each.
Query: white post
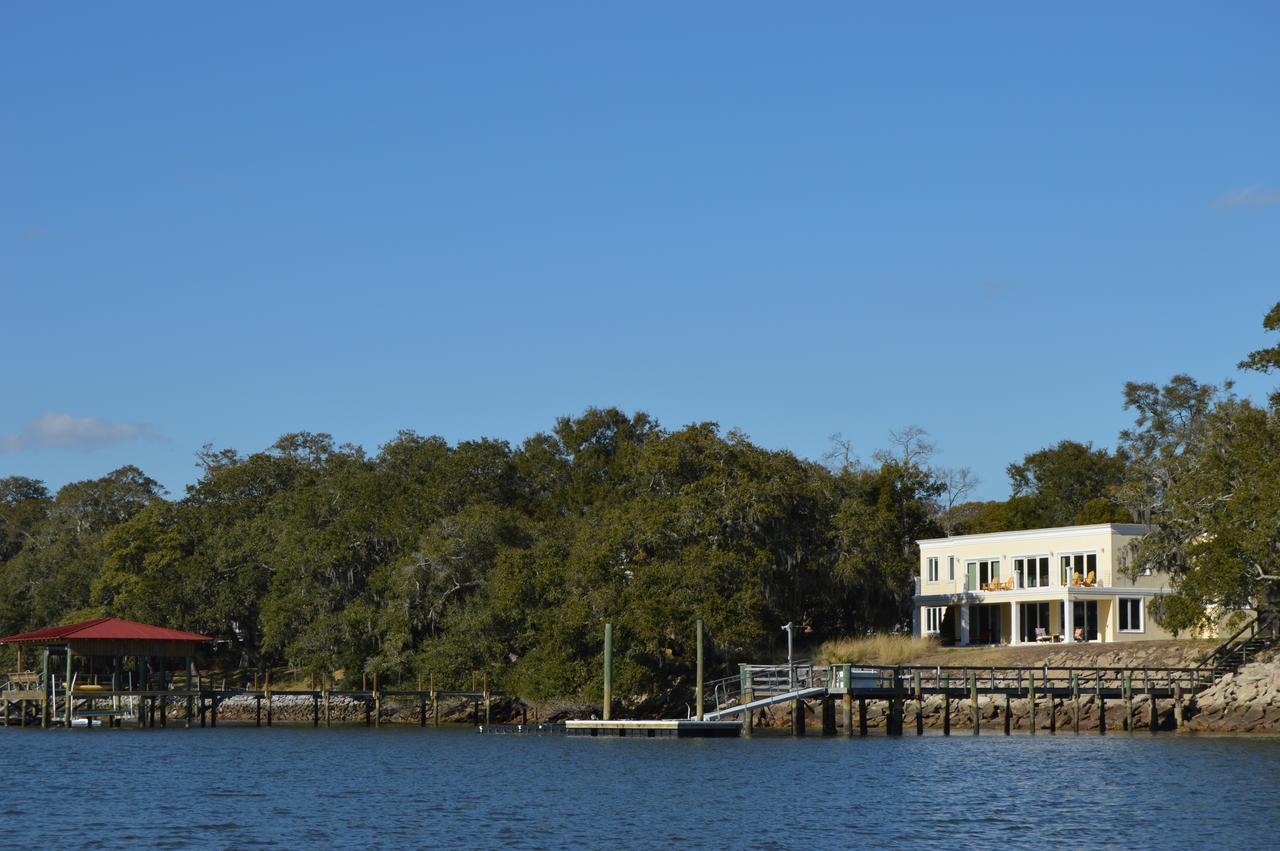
column 964, row 623
column 1015, row 635
column 1068, row 618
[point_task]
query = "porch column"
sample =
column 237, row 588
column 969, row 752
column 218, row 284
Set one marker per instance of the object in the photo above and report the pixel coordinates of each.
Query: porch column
column 1068, row 621
column 1015, row 635
column 964, row 623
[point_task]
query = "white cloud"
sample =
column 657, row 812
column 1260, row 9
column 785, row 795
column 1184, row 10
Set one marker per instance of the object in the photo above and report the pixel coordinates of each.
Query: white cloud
column 1248, row 196
column 64, row 430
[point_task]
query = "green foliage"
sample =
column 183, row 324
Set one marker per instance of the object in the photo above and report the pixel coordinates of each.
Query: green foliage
column 447, row 559
column 1060, row 481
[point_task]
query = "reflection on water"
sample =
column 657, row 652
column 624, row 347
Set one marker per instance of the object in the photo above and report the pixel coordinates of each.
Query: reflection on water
column 407, row 787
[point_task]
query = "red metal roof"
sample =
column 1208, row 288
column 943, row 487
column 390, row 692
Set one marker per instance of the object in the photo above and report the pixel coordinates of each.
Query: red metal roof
column 109, row 628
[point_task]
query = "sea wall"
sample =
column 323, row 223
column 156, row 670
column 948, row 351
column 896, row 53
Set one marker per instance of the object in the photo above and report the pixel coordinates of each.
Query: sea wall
column 1247, row 701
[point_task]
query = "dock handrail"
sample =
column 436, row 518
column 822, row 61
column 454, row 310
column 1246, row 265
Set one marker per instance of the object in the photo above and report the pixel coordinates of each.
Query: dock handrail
column 1086, row 679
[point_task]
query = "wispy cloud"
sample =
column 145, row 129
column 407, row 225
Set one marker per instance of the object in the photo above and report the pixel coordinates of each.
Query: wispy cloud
column 55, row 430
column 1249, row 196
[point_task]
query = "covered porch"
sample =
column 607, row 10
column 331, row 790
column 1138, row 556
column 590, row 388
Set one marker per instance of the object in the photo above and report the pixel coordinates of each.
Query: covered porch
column 1041, row 619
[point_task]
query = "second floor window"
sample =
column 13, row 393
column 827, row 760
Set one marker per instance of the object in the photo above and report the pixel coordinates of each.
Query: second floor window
column 1080, row 569
column 1032, row 572
column 933, row 569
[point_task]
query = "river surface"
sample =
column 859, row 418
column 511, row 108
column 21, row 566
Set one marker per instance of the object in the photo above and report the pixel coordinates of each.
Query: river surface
column 408, row 787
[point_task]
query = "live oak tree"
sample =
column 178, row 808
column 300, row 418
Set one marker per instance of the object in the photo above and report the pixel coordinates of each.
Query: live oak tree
column 1206, row 469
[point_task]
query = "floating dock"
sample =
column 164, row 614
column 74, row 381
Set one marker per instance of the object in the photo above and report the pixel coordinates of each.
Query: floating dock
column 672, row 728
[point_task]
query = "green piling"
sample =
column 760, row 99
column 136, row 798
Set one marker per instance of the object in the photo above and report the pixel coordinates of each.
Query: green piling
column 608, row 671
column 699, row 696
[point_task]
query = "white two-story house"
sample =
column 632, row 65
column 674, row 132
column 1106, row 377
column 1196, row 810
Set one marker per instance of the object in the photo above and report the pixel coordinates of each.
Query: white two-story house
column 1037, row 585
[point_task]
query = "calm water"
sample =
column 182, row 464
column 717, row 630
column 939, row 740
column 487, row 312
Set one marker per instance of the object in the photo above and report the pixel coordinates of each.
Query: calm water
column 235, row 787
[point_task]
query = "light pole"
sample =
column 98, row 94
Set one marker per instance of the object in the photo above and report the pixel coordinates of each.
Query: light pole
column 789, row 627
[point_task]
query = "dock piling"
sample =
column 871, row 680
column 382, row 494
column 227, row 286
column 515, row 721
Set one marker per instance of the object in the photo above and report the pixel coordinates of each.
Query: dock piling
column 608, row 672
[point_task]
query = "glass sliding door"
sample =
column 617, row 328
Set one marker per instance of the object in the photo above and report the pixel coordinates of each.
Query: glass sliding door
column 984, row 626
column 1080, row 569
column 1084, row 620
column 1032, row 572
column 1033, row 620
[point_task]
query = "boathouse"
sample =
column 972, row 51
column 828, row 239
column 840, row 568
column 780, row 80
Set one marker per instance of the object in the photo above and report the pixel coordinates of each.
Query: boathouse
column 101, row 658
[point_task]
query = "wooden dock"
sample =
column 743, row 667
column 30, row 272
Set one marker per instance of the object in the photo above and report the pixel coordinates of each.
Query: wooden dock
column 1045, row 689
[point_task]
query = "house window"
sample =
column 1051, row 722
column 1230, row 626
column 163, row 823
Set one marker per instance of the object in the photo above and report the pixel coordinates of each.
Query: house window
column 1130, row 614
column 982, row 574
column 1080, row 569
column 951, row 568
column 1032, row 572
column 933, row 569
column 933, row 619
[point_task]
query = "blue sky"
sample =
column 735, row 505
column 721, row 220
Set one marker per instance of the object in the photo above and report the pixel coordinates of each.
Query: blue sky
column 221, row 225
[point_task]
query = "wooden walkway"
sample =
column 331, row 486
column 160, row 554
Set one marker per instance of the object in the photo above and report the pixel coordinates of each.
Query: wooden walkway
column 154, row 708
column 1044, row 688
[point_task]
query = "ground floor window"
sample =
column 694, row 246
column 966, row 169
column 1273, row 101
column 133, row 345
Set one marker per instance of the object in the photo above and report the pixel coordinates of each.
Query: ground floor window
column 1034, row 622
column 1130, row 614
column 1084, row 620
column 933, row 619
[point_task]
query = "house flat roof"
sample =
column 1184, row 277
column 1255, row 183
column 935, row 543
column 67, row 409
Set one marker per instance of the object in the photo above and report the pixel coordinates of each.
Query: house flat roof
column 1064, row 531
column 111, row 629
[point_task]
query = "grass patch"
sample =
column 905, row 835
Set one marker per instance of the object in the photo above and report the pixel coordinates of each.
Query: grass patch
column 882, row 649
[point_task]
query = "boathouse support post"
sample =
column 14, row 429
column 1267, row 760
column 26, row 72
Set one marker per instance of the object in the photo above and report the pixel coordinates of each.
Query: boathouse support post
column 487, row 699
column 191, row 690
column 608, row 672
column 745, row 696
column 797, row 717
column 1177, row 706
column 862, row 716
column 1155, row 713
column 1008, row 713
column 698, row 695
column 1128, row 703
column 44, row 679
column 67, row 688
column 377, row 702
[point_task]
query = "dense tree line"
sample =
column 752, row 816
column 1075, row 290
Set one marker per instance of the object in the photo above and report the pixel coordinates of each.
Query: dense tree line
column 446, row 558
column 432, row 557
